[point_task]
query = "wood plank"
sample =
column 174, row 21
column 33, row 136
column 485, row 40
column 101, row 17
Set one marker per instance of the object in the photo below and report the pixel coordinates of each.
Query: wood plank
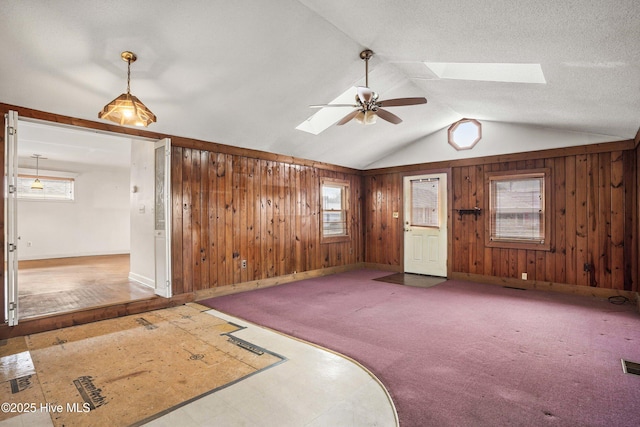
column 212, row 213
column 570, row 219
column 593, row 202
column 617, row 188
column 236, row 214
column 560, row 219
column 305, row 218
column 631, row 243
column 187, row 233
column 177, row 279
column 221, row 178
column 581, row 222
column 252, row 219
column 283, row 244
column 243, row 218
column 478, row 192
column 549, row 258
column 196, row 220
column 604, row 219
column 229, row 248
column 259, row 221
column 205, row 244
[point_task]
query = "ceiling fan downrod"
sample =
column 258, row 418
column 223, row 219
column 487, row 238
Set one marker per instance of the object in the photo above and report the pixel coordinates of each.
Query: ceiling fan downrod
column 365, row 55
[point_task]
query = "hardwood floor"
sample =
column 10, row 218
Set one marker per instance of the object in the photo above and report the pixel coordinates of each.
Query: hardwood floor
column 54, row 286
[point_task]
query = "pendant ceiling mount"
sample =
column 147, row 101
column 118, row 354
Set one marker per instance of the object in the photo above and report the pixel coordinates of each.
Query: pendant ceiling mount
column 127, row 109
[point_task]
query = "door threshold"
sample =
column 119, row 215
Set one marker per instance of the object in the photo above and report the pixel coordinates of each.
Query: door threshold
column 44, row 323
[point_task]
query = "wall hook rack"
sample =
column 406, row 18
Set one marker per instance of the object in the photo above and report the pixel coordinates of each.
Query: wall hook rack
column 475, row 211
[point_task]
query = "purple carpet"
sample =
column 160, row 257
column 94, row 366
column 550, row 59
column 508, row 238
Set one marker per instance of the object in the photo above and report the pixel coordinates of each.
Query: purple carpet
column 467, row 354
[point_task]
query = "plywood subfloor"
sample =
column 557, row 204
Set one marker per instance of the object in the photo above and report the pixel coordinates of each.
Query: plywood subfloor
column 126, row 370
column 417, row 280
column 67, row 284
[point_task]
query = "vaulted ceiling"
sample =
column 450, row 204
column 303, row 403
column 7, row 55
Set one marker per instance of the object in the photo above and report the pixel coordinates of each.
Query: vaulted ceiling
column 244, row 73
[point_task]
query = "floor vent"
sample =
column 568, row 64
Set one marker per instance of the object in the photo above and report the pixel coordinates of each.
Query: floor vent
column 630, row 367
column 246, row 345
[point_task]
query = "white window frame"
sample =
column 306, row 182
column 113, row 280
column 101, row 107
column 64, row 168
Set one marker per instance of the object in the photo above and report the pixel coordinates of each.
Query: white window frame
column 45, row 176
column 343, row 185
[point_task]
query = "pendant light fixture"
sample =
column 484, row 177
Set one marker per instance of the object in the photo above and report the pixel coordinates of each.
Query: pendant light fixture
column 127, row 109
column 37, row 185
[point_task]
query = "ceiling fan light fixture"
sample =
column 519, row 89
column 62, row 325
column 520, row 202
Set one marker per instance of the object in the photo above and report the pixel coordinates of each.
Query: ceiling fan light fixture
column 367, row 106
column 366, row 117
column 127, row 109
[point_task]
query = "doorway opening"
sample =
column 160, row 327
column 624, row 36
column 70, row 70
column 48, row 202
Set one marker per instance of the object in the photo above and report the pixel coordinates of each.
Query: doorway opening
column 425, row 224
column 90, row 243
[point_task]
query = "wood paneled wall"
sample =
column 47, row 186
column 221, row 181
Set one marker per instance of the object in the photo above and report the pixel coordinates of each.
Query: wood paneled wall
column 593, row 217
column 383, row 234
column 228, row 208
column 232, row 204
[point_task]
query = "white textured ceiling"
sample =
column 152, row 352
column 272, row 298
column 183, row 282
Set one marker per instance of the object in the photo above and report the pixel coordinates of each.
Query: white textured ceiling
column 244, row 72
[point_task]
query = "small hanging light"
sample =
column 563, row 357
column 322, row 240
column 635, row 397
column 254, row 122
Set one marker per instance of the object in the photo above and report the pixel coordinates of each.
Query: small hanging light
column 37, row 185
column 127, row 109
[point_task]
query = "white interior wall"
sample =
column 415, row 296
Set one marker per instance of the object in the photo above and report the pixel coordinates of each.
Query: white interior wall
column 96, row 223
column 142, row 262
column 497, row 138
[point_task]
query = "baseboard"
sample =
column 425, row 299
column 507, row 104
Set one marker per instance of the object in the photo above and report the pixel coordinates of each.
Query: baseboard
column 383, row 267
column 70, row 255
column 142, row 279
column 547, row 286
column 273, row 281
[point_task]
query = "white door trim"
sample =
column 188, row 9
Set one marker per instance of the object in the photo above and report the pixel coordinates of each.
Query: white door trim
column 162, row 232
column 426, row 248
column 11, row 218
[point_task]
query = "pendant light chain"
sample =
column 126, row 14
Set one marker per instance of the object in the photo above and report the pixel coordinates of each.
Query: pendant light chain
column 128, row 76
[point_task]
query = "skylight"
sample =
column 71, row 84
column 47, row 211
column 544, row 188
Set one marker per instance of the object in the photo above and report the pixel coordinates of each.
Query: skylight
column 488, row 72
column 327, row 116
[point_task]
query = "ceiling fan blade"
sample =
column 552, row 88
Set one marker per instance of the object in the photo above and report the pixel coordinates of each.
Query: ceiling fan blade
column 348, row 117
column 333, row 105
column 390, row 117
column 365, row 94
column 398, row 102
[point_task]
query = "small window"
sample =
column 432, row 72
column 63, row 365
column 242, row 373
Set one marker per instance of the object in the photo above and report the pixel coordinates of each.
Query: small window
column 334, row 210
column 518, row 207
column 53, row 188
column 465, row 134
column 425, row 199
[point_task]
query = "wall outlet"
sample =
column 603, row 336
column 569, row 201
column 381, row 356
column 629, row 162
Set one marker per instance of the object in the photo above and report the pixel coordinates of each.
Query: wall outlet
column 243, row 263
column 524, row 276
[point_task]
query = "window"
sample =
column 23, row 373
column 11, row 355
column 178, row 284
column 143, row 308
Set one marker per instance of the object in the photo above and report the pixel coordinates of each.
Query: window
column 335, row 196
column 424, row 202
column 54, row 188
column 464, row 134
column 518, row 206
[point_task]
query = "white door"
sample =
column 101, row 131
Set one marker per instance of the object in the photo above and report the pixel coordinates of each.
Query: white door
column 11, row 219
column 425, row 224
column 162, row 217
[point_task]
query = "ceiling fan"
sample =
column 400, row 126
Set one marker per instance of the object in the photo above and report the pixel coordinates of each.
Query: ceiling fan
column 368, row 108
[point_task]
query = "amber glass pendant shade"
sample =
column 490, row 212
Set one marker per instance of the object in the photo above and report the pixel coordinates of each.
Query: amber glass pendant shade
column 127, row 109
